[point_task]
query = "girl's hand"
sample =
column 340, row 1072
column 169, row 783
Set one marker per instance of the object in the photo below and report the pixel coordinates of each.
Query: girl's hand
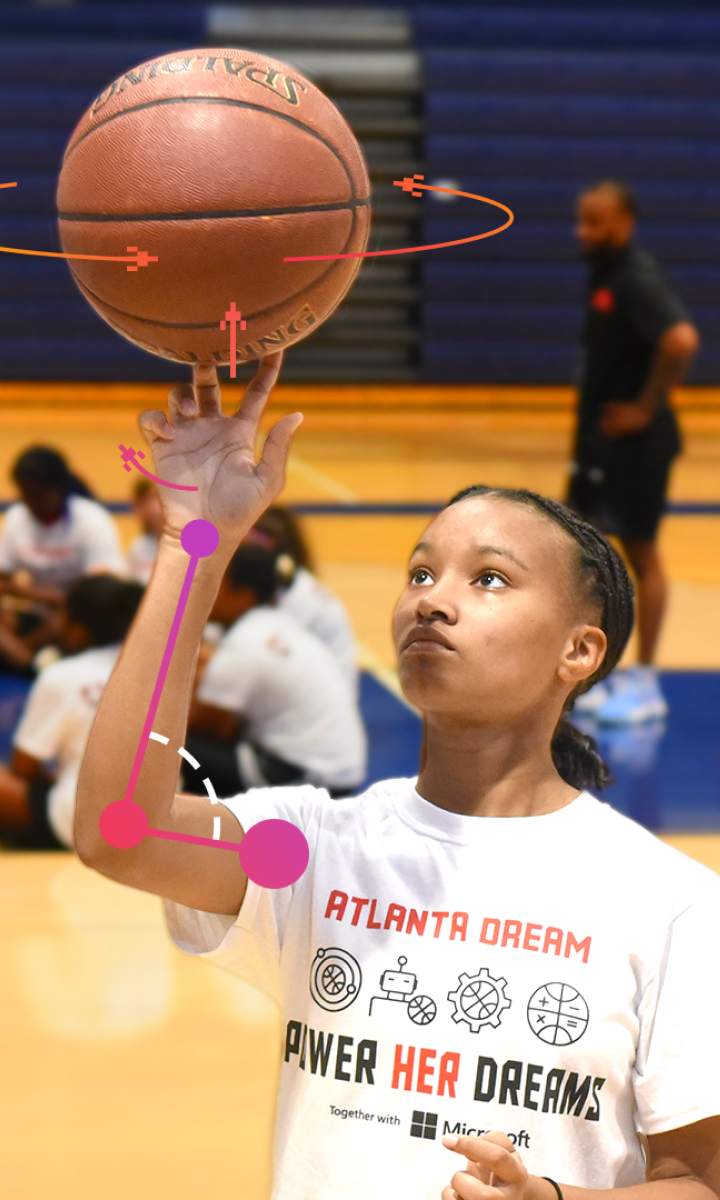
column 494, row 1169
column 202, row 447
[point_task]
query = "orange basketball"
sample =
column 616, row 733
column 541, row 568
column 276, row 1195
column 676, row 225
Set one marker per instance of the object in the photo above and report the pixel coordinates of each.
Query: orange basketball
column 220, row 163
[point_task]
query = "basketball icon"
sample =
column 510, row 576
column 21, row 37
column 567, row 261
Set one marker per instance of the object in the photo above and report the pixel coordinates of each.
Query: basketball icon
column 479, row 1000
column 335, row 979
column 557, row 1014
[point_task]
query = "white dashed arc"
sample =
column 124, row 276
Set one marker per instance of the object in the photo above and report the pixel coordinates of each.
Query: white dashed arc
column 187, row 756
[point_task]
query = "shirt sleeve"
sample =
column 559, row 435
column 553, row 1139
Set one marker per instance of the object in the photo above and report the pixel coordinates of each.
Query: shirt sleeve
column 231, row 676
column 42, row 724
column 652, row 306
column 8, row 559
column 100, row 541
column 250, row 945
column 677, row 1072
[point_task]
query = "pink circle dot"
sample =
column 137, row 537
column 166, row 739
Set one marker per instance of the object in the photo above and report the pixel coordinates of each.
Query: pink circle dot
column 199, row 538
column 274, row 853
column 123, row 824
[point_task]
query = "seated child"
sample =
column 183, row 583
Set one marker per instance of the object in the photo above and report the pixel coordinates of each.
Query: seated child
column 273, row 705
column 37, row 803
column 52, row 536
column 308, row 600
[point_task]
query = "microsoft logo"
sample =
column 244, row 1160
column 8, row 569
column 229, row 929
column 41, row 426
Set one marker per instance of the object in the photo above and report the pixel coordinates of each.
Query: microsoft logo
column 424, row 1125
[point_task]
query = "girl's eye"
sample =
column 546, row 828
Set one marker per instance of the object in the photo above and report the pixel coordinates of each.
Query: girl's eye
column 420, row 575
column 491, row 581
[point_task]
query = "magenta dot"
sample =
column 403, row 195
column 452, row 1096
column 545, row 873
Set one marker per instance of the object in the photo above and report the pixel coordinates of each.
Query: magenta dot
column 123, row 824
column 274, row 853
column 199, row 538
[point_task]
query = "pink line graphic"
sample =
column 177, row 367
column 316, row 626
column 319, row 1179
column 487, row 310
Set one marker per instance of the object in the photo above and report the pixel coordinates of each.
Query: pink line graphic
column 233, row 318
column 413, row 185
column 273, row 853
column 131, row 456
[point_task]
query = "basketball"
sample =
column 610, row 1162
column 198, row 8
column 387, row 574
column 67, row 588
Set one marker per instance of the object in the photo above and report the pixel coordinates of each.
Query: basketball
column 219, row 163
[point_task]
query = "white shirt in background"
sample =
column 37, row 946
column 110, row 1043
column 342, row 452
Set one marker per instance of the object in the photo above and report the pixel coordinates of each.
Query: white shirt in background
column 316, row 608
column 554, row 977
column 292, row 694
column 141, row 554
column 84, row 540
column 56, row 723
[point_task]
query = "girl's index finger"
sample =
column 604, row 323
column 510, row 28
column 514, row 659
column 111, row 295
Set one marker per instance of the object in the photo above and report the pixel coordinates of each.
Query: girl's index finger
column 205, row 374
column 506, row 1163
column 207, row 389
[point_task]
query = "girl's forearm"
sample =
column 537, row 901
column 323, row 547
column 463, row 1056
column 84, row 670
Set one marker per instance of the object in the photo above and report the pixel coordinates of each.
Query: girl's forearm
column 118, row 728
column 680, row 1188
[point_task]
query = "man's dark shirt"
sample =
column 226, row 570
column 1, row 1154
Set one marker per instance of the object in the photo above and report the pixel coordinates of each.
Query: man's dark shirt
column 630, row 306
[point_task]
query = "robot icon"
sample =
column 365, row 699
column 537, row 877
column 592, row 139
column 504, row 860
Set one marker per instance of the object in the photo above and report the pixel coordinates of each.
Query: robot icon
column 335, row 979
column 398, row 987
column 479, row 1000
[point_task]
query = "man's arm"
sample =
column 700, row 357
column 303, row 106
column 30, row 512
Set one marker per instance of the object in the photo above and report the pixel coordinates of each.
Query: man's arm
column 676, row 348
column 215, row 453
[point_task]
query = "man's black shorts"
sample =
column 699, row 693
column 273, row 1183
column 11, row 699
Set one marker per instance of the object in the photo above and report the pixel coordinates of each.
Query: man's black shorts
column 620, row 484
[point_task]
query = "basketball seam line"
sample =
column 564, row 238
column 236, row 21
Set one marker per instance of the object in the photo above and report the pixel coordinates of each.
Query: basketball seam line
column 217, row 215
column 216, row 100
column 250, row 316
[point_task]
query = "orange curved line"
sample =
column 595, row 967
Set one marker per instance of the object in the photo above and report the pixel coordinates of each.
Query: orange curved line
column 54, row 254
column 413, row 249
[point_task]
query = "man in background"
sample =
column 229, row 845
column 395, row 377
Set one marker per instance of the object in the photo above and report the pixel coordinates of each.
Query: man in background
column 638, row 342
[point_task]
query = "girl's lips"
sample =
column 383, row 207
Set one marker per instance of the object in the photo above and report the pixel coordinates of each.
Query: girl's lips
column 427, row 639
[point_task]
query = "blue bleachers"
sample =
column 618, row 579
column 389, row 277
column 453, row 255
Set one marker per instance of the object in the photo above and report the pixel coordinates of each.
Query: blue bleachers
column 525, row 103
column 501, row 26
column 574, row 158
column 528, row 106
column 84, row 22
column 535, row 113
column 580, row 73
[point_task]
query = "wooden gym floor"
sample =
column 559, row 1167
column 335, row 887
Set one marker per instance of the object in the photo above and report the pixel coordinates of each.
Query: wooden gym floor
column 127, row 1067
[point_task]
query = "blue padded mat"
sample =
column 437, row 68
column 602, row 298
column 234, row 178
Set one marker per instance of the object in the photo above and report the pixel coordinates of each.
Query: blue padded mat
column 667, row 774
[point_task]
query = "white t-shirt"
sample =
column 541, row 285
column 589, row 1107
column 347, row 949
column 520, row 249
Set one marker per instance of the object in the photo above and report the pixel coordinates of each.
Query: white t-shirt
column 84, row 540
column 292, row 694
column 142, row 553
column 316, row 608
column 554, row 977
column 56, row 724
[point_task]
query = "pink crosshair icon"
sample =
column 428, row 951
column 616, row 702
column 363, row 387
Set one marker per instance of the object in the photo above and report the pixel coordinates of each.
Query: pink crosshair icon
column 233, row 317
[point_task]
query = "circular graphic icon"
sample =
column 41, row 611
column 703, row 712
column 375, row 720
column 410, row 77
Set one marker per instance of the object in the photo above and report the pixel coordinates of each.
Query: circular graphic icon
column 335, row 979
column 479, row 1000
column 557, row 1014
column 422, row 1010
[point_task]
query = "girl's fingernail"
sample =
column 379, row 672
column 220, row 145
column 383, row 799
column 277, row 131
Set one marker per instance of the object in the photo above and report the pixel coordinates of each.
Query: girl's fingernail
column 450, row 1139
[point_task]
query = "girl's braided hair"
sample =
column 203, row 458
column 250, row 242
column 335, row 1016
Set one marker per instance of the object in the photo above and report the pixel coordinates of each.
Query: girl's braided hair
column 602, row 574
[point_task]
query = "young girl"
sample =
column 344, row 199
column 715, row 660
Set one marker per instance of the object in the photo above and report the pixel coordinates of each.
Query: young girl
column 484, row 948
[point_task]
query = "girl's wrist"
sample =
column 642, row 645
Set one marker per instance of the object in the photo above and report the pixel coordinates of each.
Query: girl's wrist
column 540, row 1188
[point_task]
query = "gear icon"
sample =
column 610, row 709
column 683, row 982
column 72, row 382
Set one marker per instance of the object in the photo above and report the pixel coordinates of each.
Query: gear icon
column 479, row 1000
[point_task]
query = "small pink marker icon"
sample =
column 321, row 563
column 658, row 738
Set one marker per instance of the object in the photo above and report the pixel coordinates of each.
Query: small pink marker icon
column 233, row 317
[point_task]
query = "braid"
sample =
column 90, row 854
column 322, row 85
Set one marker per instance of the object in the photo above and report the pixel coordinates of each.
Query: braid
column 604, row 579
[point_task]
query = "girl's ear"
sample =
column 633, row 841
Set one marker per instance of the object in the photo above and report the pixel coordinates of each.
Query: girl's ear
column 583, row 654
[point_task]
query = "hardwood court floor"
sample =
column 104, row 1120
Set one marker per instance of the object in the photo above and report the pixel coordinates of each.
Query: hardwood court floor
column 128, row 1068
